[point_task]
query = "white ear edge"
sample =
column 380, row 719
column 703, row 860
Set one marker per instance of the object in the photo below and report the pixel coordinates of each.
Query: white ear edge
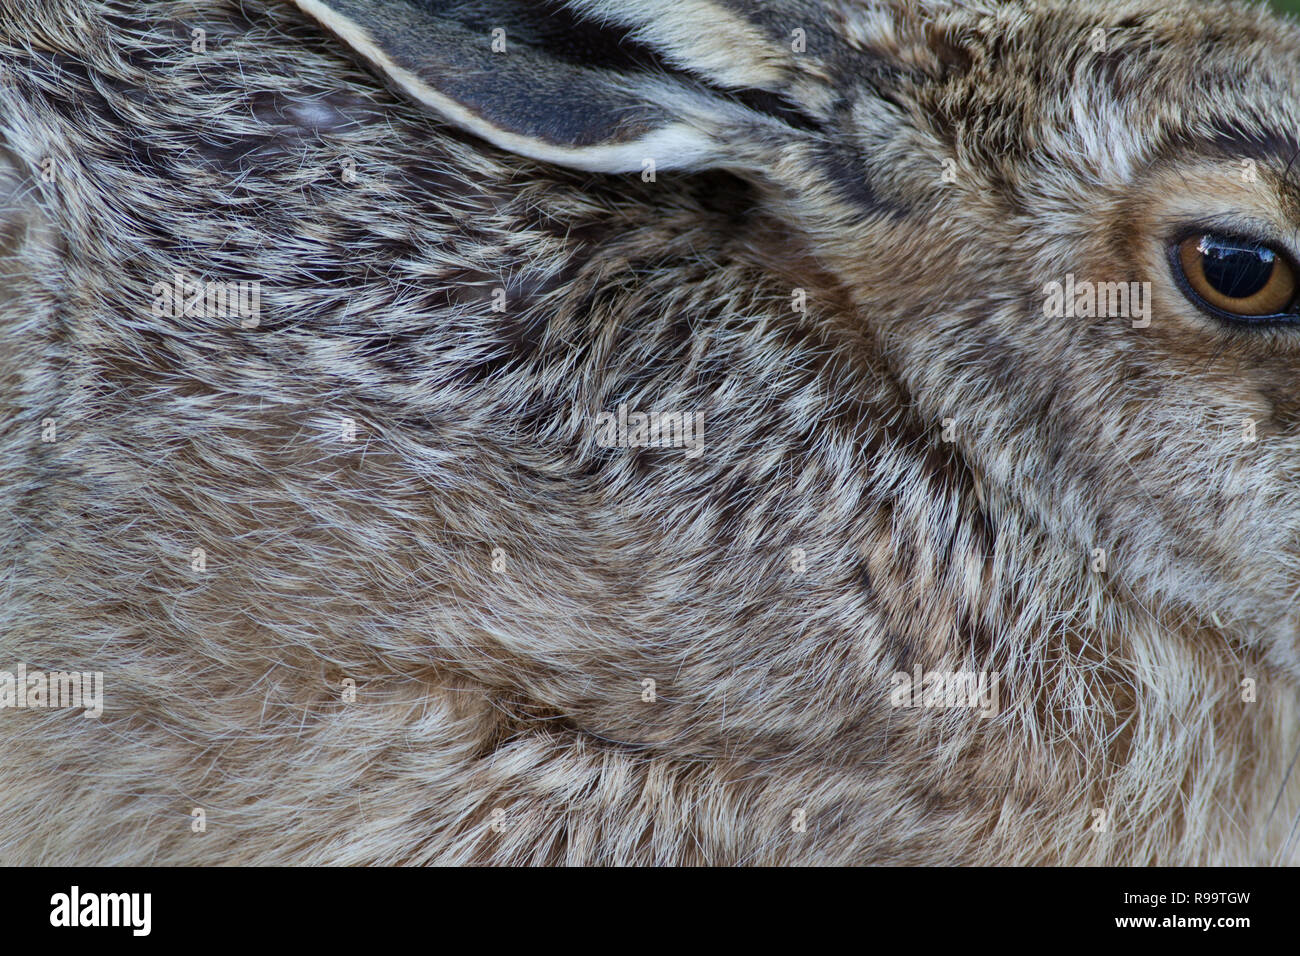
column 677, row 146
column 705, row 35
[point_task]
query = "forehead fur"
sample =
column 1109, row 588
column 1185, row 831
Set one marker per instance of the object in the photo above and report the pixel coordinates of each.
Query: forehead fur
column 1101, row 88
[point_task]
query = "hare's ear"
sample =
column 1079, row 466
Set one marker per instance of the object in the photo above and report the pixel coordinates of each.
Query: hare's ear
column 597, row 85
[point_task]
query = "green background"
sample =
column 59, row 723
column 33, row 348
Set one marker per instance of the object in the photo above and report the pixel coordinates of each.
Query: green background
column 1291, row 5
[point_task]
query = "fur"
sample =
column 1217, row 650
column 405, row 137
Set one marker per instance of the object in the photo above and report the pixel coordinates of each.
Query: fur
column 499, row 586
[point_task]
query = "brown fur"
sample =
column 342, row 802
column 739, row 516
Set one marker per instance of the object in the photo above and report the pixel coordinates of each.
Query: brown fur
column 521, row 690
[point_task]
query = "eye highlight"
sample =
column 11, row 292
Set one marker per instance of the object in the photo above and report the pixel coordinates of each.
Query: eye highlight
column 1237, row 278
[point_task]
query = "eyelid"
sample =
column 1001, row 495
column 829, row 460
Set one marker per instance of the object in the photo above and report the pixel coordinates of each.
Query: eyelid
column 1246, row 228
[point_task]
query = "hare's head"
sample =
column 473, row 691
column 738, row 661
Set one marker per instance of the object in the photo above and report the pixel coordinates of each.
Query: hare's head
column 1069, row 227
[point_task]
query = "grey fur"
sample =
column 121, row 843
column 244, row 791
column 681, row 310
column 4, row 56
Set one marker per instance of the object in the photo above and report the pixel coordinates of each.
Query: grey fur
column 522, row 690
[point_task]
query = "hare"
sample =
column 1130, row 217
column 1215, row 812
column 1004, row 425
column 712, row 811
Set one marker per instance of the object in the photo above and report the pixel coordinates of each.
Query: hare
column 649, row 432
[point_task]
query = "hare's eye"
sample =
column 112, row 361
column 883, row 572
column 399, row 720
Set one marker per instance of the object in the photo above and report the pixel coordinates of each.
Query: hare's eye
column 1237, row 277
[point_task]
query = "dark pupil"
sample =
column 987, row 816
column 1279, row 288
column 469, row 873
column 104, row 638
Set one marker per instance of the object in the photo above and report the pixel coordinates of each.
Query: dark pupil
column 1235, row 269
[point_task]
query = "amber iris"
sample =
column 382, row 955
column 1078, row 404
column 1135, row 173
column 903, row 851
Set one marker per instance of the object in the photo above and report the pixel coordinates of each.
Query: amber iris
column 1239, row 277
